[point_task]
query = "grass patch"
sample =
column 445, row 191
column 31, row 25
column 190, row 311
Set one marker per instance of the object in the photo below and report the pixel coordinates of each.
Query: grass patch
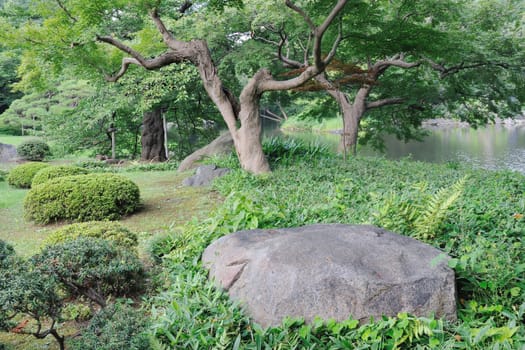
column 15, row 140
column 166, row 205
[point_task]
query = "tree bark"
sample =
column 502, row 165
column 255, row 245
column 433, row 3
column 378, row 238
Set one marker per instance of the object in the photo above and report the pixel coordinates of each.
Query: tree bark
column 152, row 138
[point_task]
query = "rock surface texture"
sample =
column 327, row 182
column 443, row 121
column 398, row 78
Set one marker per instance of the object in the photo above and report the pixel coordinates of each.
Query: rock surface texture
column 221, row 145
column 7, row 152
column 204, row 175
column 331, row 271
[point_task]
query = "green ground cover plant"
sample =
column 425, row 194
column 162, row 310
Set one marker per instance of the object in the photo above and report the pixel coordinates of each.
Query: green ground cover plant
column 55, row 171
column 481, row 229
column 22, row 176
column 82, row 198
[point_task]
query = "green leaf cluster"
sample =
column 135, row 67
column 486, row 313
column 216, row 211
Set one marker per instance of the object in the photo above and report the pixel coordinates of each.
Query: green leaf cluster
column 33, row 150
column 55, row 171
column 109, row 230
column 82, row 198
column 92, row 267
column 22, row 175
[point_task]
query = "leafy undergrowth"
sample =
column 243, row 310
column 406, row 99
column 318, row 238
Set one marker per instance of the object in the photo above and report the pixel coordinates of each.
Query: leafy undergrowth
column 480, row 225
column 476, row 216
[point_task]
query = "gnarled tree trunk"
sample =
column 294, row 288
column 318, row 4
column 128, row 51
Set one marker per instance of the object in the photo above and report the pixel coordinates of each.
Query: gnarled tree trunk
column 247, row 137
column 152, row 138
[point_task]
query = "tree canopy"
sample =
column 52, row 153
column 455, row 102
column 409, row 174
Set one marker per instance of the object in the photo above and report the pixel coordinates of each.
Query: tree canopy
column 390, row 64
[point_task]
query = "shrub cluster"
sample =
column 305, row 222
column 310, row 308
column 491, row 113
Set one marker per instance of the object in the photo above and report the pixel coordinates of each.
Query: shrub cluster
column 96, row 268
column 114, row 328
column 109, row 230
column 52, row 172
column 35, row 150
column 22, row 175
column 82, row 198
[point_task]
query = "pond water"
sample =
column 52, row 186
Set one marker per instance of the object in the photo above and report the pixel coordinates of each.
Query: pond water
column 500, row 146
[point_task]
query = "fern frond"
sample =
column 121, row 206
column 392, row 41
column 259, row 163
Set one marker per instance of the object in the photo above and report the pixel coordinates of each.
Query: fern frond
column 435, row 209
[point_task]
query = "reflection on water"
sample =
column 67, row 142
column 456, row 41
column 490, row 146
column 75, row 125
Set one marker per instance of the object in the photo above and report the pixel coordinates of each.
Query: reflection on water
column 492, row 147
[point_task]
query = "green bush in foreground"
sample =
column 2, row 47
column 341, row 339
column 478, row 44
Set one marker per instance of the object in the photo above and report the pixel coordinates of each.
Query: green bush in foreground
column 82, row 198
column 52, row 172
column 108, row 230
column 30, row 295
column 35, row 150
column 116, row 327
column 22, row 175
column 92, row 267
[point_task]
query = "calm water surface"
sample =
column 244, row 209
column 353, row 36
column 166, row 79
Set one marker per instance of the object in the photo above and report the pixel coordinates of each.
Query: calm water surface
column 492, row 147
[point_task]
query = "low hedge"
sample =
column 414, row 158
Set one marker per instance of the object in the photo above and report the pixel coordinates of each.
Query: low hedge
column 22, row 175
column 82, row 198
column 52, row 172
column 108, row 230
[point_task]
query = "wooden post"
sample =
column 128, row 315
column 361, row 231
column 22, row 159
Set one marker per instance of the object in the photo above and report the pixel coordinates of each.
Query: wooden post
column 165, row 127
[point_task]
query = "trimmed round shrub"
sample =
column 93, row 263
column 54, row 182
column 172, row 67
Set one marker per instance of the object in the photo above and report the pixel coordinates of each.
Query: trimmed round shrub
column 108, row 230
column 35, row 150
column 22, row 175
column 52, row 172
column 79, row 198
column 92, row 267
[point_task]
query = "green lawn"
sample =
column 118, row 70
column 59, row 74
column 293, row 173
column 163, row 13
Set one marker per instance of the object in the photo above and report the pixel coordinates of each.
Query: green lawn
column 166, row 204
column 14, row 140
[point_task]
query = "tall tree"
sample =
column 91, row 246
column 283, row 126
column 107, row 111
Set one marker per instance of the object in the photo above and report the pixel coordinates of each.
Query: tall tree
column 69, row 26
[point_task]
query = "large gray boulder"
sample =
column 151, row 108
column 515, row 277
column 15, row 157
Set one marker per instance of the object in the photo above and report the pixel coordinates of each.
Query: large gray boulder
column 331, row 271
column 204, row 175
column 221, row 145
column 7, row 152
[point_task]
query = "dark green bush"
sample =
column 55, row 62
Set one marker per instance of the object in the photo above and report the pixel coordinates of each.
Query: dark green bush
column 35, row 150
column 82, row 198
column 114, row 328
column 7, row 252
column 3, row 175
column 10, row 129
column 92, row 267
column 109, row 230
column 22, row 175
column 26, row 293
column 52, row 172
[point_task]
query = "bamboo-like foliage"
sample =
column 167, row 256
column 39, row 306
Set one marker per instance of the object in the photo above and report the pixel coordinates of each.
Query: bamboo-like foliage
column 419, row 217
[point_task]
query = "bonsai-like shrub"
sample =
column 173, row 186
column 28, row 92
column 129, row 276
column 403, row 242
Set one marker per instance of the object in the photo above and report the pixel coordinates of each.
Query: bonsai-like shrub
column 52, row 172
column 114, row 328
column 91, row 267
column 22, row 175
column 82, row 198
column 109, row 230
column 28, row 294
column 35, row 150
